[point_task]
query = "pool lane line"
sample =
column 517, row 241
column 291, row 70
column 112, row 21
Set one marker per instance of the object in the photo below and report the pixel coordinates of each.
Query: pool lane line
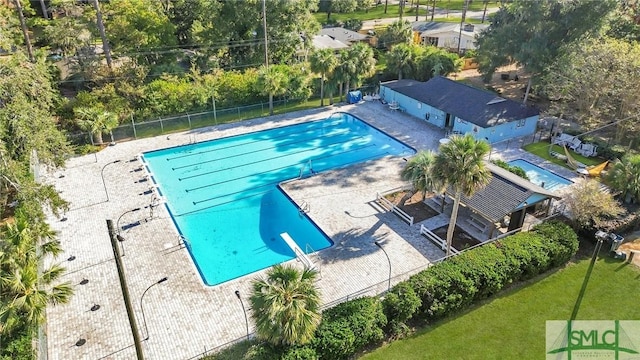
column 254, row 141
column 261, row 160
column 377, row 156
column 255, row 151
column 287, row 166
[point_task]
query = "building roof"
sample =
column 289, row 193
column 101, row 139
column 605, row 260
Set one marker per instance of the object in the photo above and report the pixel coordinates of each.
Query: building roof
column 432, row 28
column 477, row 106
column 327, row 42
column 503, row 195
column 344, row 35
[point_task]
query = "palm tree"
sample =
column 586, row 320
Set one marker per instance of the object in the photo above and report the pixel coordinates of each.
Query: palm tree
column 400, row 59
column 286, row 305
column 24, row 294
column 96, row 120
column 358, row 64
column 419, row 170
column 323, row 61
column 625, row 178
column 460, row 167
column 271, row 82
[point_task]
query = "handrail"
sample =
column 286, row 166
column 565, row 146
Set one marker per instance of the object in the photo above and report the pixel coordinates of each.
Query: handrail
column 393, row 208
column 300, row 255
column 437, row 240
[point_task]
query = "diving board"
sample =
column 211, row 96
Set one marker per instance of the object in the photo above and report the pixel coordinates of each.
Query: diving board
column 300, row 255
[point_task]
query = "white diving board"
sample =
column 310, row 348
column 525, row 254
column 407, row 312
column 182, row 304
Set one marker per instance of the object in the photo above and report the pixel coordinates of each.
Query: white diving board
column 300, row 255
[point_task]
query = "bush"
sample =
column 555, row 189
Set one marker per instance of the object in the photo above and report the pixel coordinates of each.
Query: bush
column 335, row 340
column 349, row 327
column 365, row 318
column 401, row 303
column 299, row 353
column 526, row 255
column 487, row 267
column 561, row 240
column 513, row 169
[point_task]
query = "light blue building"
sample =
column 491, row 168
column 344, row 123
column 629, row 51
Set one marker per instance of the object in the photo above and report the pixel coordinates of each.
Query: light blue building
column 461, row 108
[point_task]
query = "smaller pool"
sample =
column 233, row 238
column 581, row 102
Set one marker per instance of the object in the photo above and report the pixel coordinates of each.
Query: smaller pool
column 540, row 176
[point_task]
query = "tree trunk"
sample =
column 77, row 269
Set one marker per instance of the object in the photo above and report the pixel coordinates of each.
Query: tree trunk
column 401, row 6
column 45, row 12
column 433, row 10
column 526, row 93
column 270, row 104
column 346, row 89
column 97, row 137
column 484, row 13
column 25, row 31
column 417, row 9
column 386, row 3
column 103, row 34
column 322, row 90
column 407, row 196
column 399, row 74
column 452, row 222
column 331, row 97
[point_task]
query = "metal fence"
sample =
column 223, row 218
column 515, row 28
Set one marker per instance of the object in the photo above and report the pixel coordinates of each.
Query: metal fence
column 154, row 127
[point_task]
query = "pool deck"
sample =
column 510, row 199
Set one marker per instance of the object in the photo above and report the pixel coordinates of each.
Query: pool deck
column 184, row 317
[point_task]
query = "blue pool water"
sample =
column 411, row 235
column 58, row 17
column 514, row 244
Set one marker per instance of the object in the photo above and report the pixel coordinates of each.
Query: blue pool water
column 224, row 198
column 540, row 176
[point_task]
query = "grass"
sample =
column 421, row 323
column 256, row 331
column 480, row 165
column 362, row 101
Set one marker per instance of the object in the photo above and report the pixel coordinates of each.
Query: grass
column 541, row 149
column 393, row 11
column 512, row 325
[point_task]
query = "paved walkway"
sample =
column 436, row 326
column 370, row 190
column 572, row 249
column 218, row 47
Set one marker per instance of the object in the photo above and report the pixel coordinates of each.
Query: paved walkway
column 183, row 316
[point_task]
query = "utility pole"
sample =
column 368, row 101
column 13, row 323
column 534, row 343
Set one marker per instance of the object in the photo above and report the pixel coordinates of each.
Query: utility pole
column 103, row 35
column 125, row 290
column 464, row 15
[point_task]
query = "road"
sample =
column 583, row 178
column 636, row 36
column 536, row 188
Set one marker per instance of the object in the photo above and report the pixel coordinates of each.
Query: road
column 439, row 14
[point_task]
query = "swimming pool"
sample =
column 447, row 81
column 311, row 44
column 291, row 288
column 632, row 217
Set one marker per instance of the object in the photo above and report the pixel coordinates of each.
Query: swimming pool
column 540, row 176
column 224, row 198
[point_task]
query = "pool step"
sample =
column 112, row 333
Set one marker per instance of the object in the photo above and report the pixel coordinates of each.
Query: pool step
column 300, row 255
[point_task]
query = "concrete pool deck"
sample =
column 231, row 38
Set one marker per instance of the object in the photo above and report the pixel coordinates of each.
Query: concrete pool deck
column 184, row 317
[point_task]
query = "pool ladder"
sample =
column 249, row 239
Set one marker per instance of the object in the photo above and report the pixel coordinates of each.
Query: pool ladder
column 304, row 207
column 304, row 167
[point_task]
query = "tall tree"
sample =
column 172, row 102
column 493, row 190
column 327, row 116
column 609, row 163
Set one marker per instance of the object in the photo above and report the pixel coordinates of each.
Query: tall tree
column 103, row 35
column 624, row 177
column 397, row 33
column 358, row 64
column 591, row 207
column 323, row 61
column 286, row 305
column 419, row 171
column 96, row 120
column 271, row 82
column 400, row 59
column 535, row 33
column 460, row 167
column 596, row 84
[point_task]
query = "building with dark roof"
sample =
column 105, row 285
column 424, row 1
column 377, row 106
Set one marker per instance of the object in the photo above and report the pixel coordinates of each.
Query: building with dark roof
column 461, row 108
column 506, row 195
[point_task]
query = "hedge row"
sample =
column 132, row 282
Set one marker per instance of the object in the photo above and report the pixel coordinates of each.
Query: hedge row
column 439, row 291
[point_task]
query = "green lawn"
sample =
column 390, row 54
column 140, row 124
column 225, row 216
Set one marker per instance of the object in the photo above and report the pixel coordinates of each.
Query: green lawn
column 393, row 11
column 541, row 149
column 512, row 326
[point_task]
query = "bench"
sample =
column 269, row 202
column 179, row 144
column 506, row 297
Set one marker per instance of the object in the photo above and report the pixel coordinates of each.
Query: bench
column 477, row 223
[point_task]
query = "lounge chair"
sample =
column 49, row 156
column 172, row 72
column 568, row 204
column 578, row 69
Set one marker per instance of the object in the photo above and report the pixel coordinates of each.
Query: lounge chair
column 587, row 150
column 573, row 163
column 574, row 144
column 562, row 139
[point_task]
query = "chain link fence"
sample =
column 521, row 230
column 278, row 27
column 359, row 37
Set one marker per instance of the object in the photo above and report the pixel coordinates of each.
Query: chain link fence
column 148, row 128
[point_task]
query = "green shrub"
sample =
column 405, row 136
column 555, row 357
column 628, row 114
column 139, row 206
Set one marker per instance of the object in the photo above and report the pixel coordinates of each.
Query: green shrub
column 299, row 353
column 17, row 345
column 527, row 253
column 365, row 318
column 334, row 340
column 513, row 169
column 401, row 303
column 443, row 289
column 487, row 267
column 561, row 240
